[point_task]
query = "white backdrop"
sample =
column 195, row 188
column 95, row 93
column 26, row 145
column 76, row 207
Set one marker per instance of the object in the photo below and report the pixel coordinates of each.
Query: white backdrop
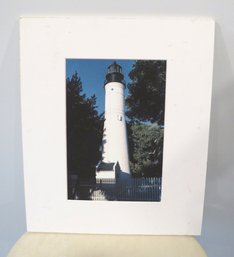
column 218, row 227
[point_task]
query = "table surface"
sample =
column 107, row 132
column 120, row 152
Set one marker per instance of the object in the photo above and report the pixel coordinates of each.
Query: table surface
column 75, row 245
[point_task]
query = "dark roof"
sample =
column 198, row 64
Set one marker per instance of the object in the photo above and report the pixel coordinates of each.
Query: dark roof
column 106, row 166
column 114, row 66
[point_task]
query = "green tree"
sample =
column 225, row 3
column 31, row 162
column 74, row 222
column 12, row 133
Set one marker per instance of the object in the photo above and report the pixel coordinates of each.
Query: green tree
column 145, row 111
column 146, row 100
column 84, row 130
column 145, row 149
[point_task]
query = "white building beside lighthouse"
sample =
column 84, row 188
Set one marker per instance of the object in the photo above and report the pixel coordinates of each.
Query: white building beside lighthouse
column 115, row 160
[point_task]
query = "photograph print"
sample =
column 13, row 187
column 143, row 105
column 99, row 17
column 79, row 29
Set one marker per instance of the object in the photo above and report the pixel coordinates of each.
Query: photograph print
column 115, row 129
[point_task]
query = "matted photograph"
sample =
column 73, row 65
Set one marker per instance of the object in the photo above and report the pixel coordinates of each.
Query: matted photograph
column 115, row 127
column 115, row 123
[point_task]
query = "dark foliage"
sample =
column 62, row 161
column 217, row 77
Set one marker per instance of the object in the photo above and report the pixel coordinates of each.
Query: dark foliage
column 145, row 111
column 146, row 100
column 84, row 130
column 145, row 150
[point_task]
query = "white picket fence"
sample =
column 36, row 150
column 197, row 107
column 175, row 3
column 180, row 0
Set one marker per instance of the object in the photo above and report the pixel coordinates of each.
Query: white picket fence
column 135, row 189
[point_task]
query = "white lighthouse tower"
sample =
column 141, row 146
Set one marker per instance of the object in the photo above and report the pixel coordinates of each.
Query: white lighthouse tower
column 115, row 144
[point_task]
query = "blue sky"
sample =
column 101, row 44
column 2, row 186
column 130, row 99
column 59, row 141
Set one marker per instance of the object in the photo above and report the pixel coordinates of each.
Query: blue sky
column 92, row 73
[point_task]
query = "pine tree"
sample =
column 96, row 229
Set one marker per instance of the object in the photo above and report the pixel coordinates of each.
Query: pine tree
column 84, row 130
column 146, row 100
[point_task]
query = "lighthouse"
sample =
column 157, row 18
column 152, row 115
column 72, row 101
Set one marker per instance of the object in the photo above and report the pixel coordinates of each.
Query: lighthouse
column 115, row 160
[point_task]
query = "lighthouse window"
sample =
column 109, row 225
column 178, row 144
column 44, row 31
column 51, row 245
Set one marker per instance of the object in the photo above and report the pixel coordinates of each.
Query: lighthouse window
column 119, row 117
